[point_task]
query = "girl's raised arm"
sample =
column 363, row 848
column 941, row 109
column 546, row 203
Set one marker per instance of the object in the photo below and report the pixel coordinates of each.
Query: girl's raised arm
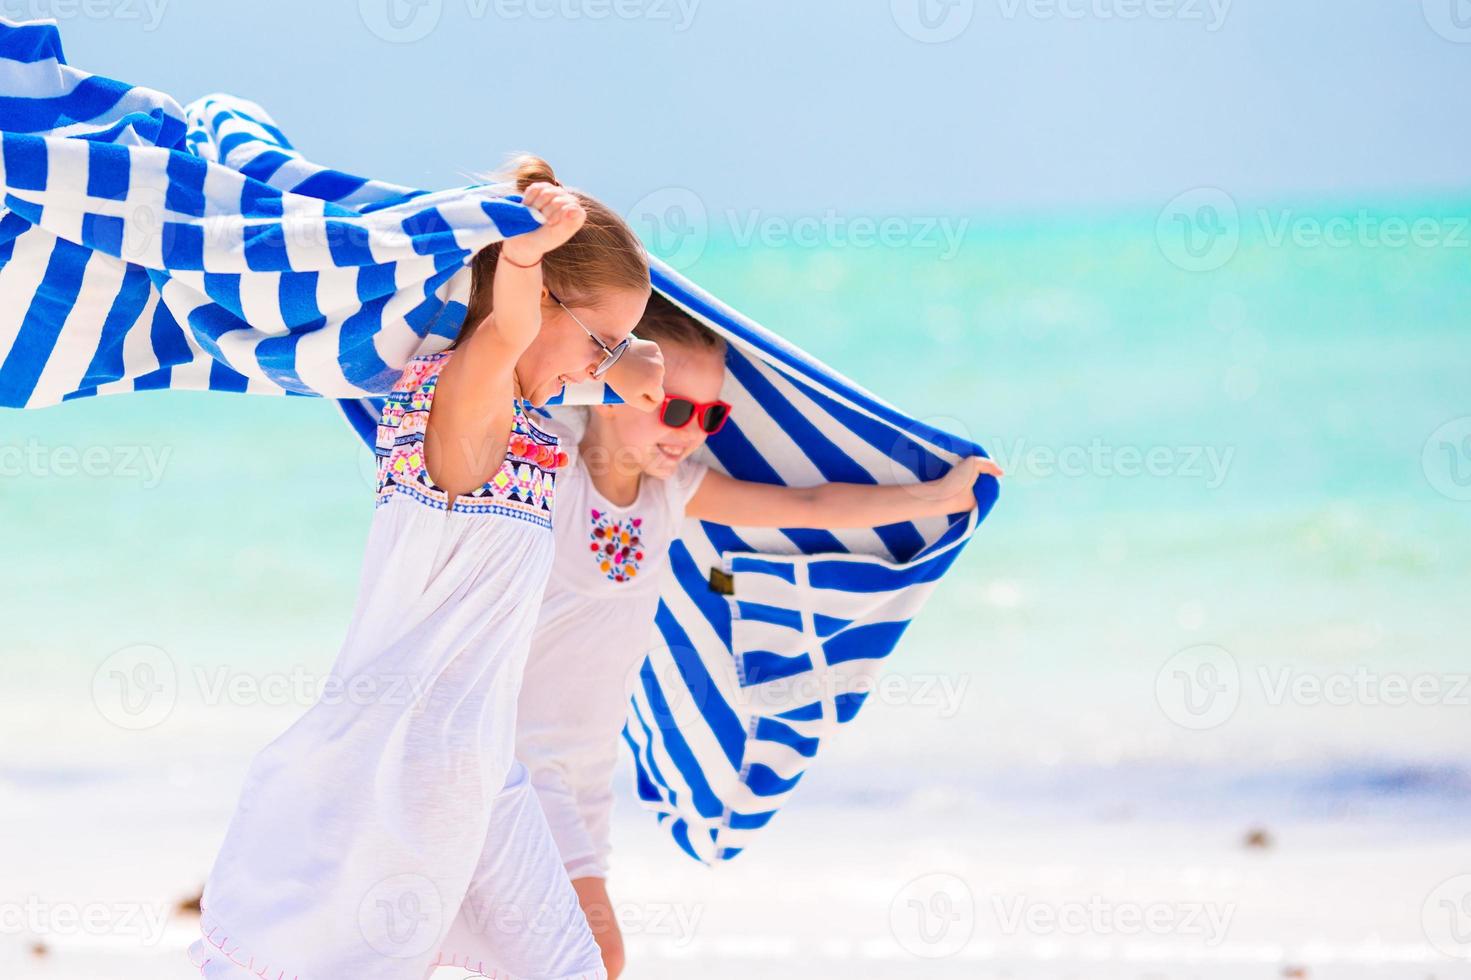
column 470, row 422
column 831, row 506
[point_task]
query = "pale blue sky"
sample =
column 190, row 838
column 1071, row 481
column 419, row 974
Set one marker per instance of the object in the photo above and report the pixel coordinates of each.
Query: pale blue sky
column 803, row 106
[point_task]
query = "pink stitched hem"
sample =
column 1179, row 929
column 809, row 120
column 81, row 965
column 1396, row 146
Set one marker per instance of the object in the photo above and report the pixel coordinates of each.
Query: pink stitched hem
column 214, row 934
column 202, row 963
column 478, row 966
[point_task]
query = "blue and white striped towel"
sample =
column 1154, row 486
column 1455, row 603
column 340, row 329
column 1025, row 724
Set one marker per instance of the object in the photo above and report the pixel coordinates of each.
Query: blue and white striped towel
column 144, row 245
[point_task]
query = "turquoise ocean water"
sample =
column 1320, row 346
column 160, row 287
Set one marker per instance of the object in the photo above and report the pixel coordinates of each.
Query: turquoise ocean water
column 1270, row 456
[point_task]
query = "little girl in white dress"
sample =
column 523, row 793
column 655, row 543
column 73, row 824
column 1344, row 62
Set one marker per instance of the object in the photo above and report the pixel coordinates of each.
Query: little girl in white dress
column 622, row 501
column 359, row 830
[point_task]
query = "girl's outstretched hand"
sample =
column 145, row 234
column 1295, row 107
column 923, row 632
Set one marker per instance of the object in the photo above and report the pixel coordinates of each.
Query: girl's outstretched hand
column 956, row 488
column 563, row 215
column 741, row 503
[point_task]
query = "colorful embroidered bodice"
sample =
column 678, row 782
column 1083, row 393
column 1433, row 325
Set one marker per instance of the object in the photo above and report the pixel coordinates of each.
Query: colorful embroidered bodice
column 523, row 486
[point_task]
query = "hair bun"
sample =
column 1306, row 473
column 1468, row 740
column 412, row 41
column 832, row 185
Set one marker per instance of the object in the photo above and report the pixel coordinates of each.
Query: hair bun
column 528, row 169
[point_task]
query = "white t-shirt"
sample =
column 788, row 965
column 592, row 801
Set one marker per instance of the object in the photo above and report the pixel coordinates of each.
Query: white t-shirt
column 595, row 628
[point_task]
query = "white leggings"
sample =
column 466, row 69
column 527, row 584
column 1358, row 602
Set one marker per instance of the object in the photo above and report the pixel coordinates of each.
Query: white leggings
column 519, row 921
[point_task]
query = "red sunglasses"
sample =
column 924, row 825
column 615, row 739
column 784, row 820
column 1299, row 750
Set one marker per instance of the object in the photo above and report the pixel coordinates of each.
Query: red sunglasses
column 677, row 412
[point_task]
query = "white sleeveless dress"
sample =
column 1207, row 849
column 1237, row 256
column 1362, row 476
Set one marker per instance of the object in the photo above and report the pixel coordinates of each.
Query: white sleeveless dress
column 360, row 829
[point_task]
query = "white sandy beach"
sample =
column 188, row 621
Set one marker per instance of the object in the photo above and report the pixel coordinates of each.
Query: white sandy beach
column 944, row 882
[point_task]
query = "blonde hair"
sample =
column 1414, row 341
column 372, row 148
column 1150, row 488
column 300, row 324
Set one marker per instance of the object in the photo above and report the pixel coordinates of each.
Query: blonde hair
column 604, row 255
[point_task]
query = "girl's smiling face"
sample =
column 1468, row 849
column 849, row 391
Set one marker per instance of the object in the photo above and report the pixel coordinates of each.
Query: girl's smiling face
column 563, row 353
column 628, row 437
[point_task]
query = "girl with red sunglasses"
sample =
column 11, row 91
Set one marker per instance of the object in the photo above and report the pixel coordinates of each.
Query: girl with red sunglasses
column 629, row 486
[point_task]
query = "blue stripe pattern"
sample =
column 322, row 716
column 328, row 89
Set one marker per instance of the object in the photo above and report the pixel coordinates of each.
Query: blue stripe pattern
column 247, row 247
column 147, row 245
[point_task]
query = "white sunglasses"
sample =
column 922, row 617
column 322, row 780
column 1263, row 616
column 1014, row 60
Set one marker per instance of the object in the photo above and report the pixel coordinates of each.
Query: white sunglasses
column 610, row 354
